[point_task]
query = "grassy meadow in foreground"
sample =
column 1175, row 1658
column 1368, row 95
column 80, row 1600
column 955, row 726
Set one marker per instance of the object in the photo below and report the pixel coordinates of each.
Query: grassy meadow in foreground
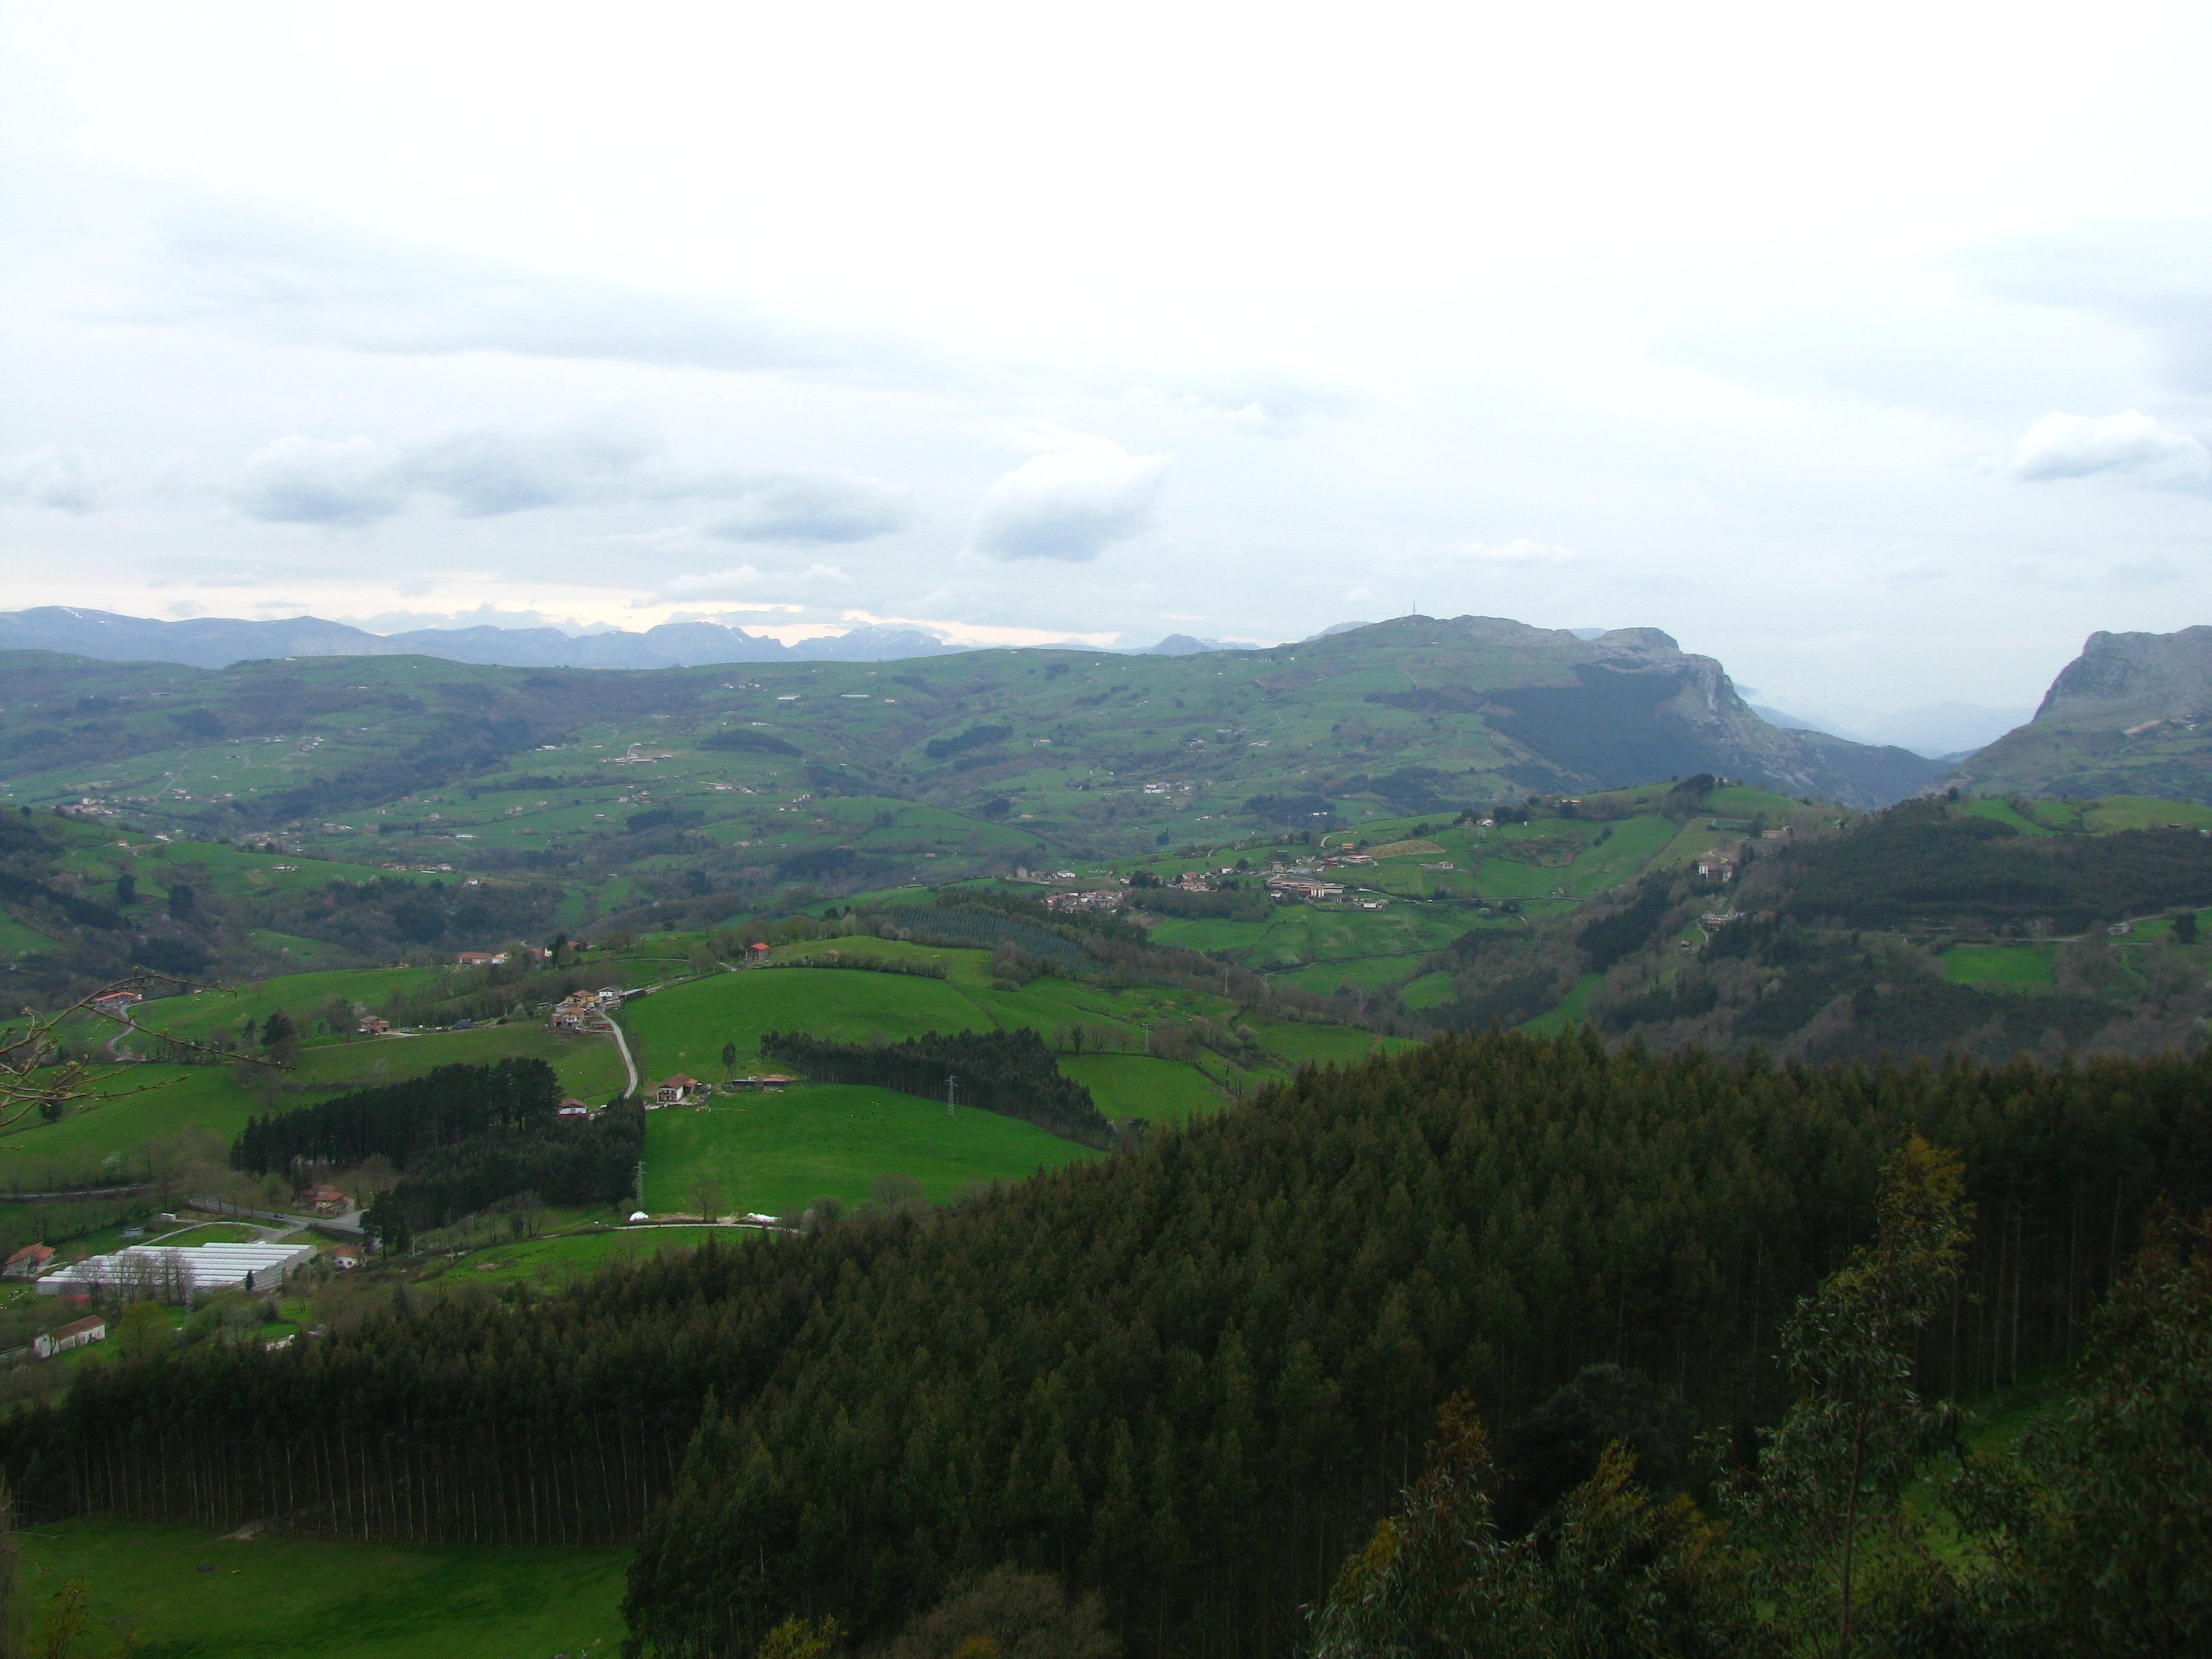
column 174, row 1593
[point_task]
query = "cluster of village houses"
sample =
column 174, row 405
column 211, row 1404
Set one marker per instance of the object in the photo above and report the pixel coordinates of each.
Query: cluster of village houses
column 1304, row 881
column 682, row 1090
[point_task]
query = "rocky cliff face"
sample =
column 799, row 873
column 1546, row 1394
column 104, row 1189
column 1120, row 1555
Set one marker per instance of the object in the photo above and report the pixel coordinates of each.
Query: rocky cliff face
column 2131, row 715
column 2122, row 679
column 1627, row 707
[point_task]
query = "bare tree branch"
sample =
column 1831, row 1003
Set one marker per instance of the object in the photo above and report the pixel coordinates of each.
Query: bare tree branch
column 38, row 1074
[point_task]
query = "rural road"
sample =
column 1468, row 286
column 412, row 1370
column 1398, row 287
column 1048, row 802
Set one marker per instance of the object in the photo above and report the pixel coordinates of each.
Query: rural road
column 114, row 1051
column 629, row 1064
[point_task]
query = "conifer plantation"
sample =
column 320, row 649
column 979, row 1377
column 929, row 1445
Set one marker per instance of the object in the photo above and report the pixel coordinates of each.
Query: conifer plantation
column 1187, row 1377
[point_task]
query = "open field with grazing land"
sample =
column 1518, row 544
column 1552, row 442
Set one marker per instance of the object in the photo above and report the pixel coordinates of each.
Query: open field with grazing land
column 774, row 1153
column 2000, row 967
column 1144, row 1086
column 549, row 1262
column 135, row 1105
column 178, row 1594
column 684, row 1028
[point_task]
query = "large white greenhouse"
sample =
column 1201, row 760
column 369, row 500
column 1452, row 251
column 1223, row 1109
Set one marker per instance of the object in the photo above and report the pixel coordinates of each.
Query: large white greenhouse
column 161, row 1273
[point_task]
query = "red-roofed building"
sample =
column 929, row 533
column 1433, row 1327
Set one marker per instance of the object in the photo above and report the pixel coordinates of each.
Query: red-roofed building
column 75, row 1335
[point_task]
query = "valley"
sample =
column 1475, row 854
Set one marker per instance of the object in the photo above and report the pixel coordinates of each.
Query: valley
column 1280, row 927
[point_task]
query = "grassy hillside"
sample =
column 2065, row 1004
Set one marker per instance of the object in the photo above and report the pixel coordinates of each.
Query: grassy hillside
column 402, row 765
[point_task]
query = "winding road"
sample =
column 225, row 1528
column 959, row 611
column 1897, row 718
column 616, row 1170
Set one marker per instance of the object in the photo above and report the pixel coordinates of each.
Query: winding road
column 629, row 1064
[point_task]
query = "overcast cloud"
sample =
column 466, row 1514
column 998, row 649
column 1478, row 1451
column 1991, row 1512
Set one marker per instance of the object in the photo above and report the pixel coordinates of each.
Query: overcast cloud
column 1817, row 341
column 1070, row 503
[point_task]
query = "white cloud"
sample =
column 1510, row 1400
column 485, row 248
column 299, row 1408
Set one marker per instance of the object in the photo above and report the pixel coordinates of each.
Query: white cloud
column 1069, row 504
column 814, row 508
column 302, row 480
column 487, row 471
column 493, row 469
column 2062, row 446
column 50, row 476
column 1520, row 551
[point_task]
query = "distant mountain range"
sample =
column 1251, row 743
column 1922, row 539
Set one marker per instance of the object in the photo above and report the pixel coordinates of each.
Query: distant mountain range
column 1570, row 708
column 2131, row 715
column 219, row 641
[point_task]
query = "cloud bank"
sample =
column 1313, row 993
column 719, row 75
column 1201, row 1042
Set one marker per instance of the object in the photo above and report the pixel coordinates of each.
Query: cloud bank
column 1069, row 504
column 50, row 476
column 814, row 509
column 489, row 471
column 2062, row 446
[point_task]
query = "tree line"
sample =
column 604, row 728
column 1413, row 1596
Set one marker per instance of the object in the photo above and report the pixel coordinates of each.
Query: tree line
column 1010, row 1072
column 1927, row 862
column 1189, row 1378
column 463, row 1137
column 591, row 1162
column 398, row 1120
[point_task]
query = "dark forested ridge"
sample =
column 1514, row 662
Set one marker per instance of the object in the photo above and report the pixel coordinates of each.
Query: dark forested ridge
column 1921, row 862
column 1010, row 1073
column 1190, row 1376
column 399, row 1120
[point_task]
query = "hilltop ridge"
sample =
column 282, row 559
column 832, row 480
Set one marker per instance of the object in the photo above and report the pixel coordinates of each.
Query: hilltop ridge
column 2128, row 716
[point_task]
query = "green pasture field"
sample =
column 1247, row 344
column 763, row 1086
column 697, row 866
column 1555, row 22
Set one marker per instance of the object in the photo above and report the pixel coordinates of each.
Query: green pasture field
column 16, row 939
column 1633, row 846
column 1301, row 935
column 1999, row 811
column 1361, row 973
column 775, row 1153
column 2112, row 813
column 1145, row 1086
column 1743, row 800
column 135, row 1104
column 2000, row 967
column 1429, row 991
column 206, row 1014
column 589, row 1066
column 1297, row 1044
column 281, row 1598
column 684, row 1028
column 1569, row 1012
column 555, row 1261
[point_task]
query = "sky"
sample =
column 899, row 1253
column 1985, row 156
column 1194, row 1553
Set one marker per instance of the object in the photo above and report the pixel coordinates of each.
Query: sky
column 1866, row 349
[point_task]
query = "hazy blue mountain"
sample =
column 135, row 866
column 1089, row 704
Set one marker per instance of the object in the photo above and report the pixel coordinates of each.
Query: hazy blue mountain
column 217, row 642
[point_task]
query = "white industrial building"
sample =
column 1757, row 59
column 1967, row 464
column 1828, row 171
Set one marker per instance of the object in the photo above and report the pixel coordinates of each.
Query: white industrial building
column 175, row 1273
